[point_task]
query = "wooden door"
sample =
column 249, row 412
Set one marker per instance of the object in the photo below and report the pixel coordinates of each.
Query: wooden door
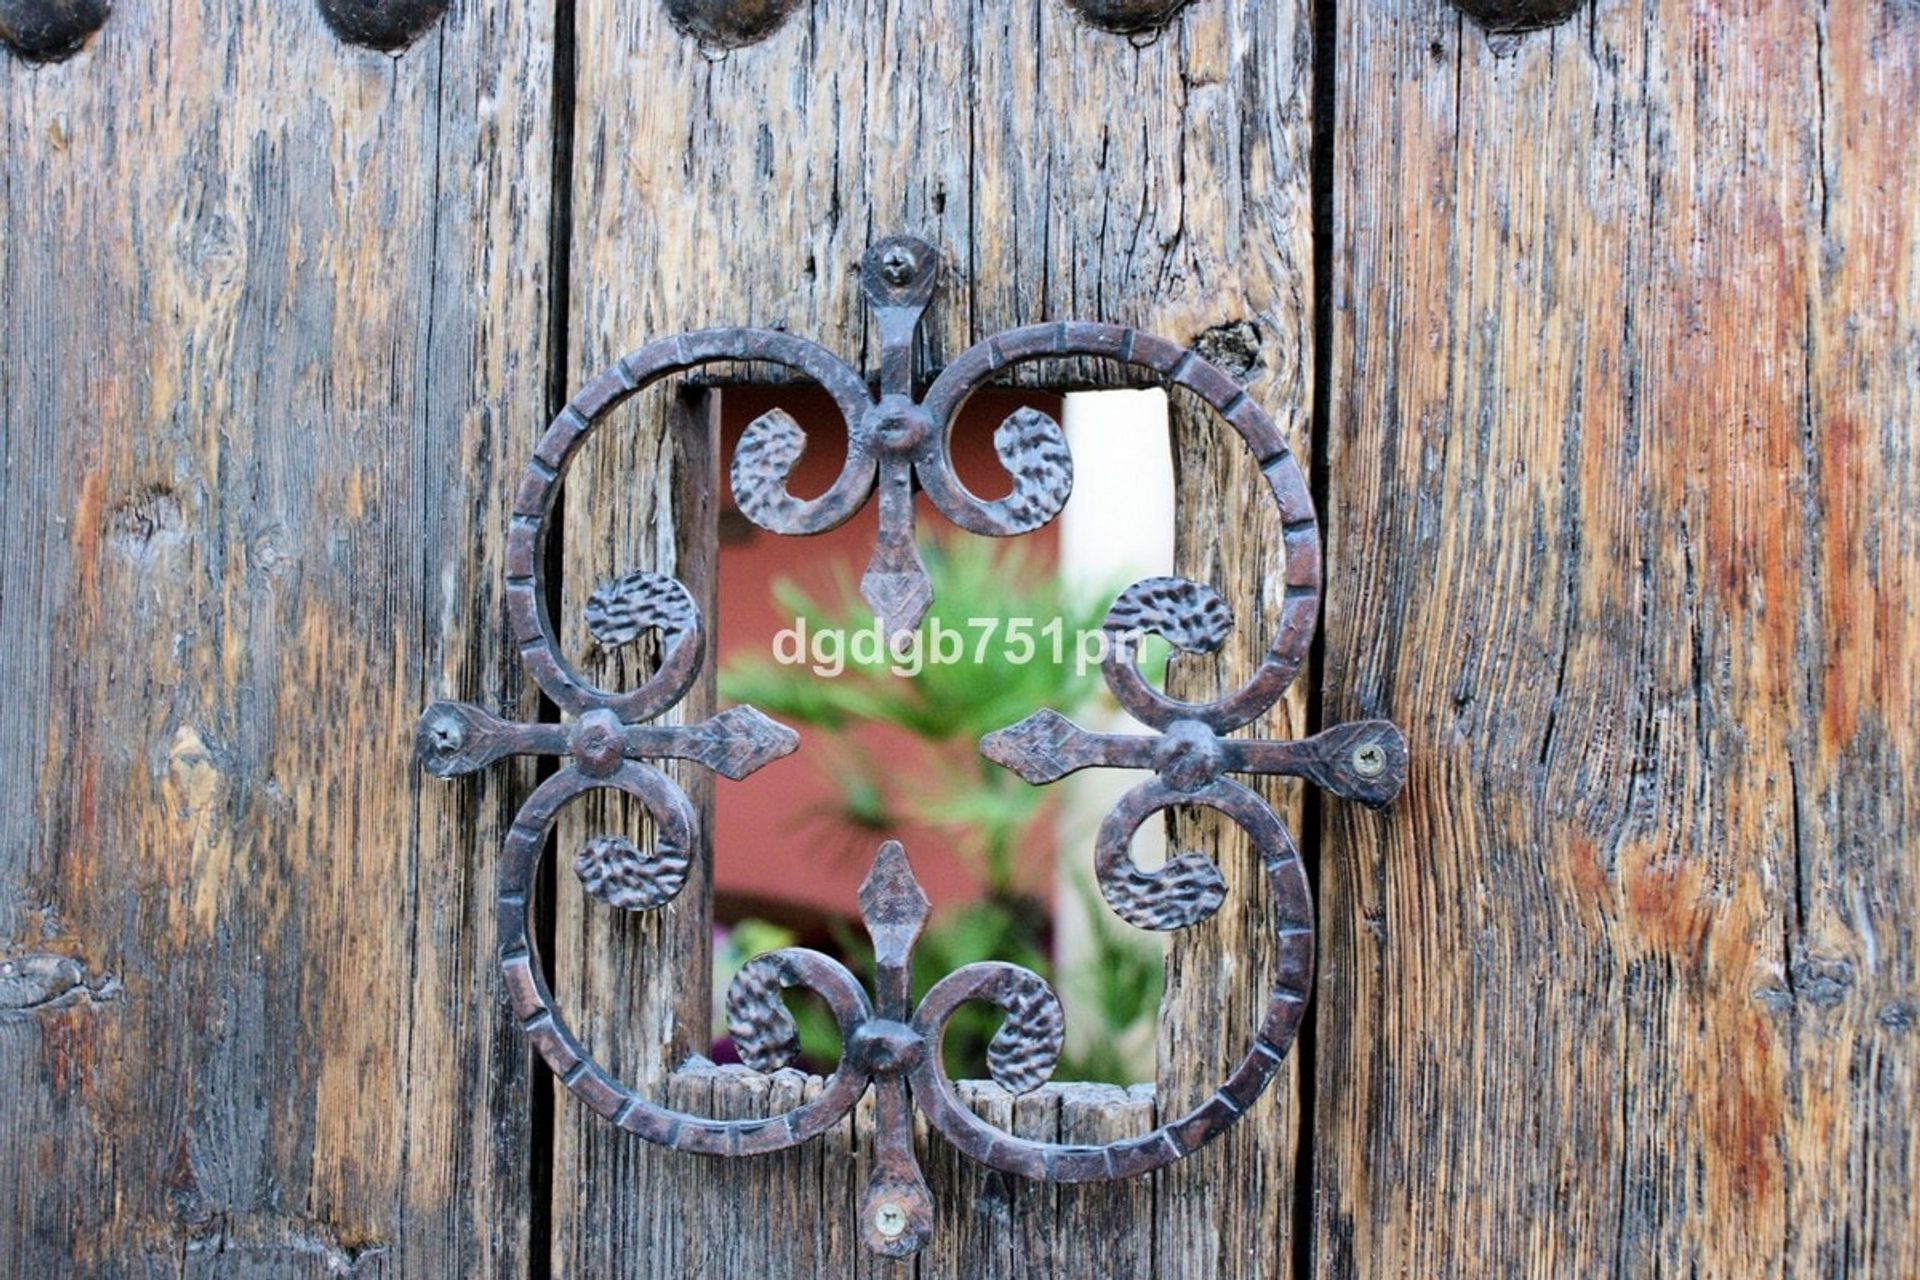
column 1603, row 341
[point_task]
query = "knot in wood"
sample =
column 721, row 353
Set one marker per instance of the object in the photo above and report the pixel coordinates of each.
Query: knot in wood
column 1187, row 755
column 883, row 1047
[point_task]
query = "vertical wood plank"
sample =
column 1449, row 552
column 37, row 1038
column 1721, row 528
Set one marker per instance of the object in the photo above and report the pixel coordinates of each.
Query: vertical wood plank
column 1847, row 1003
column 1228, row 1210
column 1100, row 1232
column 1063, row 172
column 643, row 495
column 1622, row 491
column 973, row 1234
column 272, row 317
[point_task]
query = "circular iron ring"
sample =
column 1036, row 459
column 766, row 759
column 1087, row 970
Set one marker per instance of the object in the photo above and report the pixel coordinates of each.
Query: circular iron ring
column 1182, row 367
column 540, row 1016
column 527, row 613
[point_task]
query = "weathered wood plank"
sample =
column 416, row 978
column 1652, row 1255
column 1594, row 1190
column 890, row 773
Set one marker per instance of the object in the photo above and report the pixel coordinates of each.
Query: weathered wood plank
column 981, row 1208
column 1622, row 490
column 1228, row 1211
column 1849, row 1021
column 1102, row 1230
column 1622, row 498
column 643, row 495
column 1064, row 172
column 271, row 319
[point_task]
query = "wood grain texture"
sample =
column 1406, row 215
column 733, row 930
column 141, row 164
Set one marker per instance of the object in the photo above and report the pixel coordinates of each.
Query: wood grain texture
column 1623, row 482
column 794, row 1213
column 271, row 317
column 1064, row 173
column 644, row 495
column 1228, row 1211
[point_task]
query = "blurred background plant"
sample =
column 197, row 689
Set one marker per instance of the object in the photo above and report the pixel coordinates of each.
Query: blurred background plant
column 990, row 817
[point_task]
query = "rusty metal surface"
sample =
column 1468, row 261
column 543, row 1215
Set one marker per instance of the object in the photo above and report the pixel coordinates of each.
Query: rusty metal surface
column 49, row 30
column 386, row 25
column 898, row 443
column 1503, row 17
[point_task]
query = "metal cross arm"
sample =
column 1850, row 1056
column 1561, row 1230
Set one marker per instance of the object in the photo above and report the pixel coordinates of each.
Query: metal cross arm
column 1192, row 754
column 1365, row 760
column 458, row 737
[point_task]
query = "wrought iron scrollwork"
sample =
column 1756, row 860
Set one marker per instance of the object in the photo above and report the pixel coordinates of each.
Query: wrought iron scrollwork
column 899, row 443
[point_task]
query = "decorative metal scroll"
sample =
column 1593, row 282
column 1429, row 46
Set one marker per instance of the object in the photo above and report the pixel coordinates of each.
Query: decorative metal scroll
column 898, row 442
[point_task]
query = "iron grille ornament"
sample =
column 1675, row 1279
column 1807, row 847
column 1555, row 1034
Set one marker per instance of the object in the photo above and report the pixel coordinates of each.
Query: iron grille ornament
column 898, row 441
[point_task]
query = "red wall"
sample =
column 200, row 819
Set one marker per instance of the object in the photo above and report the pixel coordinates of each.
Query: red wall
column 781, row 851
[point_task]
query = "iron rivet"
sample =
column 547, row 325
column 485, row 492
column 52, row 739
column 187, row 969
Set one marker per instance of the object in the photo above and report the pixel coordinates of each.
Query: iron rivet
column 1369, row 761
column 889, row 1219
column 447, row 735
column 386, row 25
column 897, row 266
column 599, row 747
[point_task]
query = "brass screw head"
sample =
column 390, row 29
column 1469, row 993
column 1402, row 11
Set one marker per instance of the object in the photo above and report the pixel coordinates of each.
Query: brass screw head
column 889, row 1219
column 447, row 734
column 1369, row 760
column 896, row 266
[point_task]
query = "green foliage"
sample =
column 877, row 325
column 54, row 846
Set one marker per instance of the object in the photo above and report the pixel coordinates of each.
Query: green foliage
column 998, row 606
column 1121, row 984
column 988, row 594
column 741, row 942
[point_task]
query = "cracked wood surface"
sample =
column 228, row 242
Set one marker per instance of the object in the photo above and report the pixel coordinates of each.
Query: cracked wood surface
column 1064, row 173
column 1625, row 384
column 272, row 340
column 1623, row 378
